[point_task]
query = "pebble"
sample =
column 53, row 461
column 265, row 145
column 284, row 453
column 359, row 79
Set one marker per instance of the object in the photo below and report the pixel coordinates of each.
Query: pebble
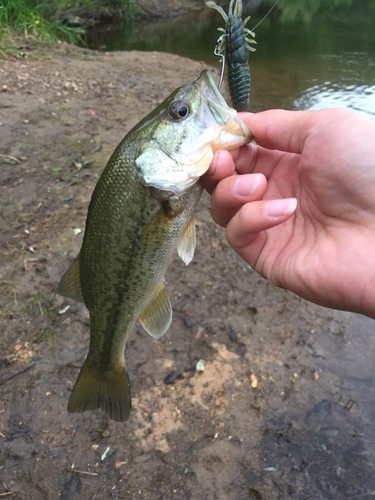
column 253, row 381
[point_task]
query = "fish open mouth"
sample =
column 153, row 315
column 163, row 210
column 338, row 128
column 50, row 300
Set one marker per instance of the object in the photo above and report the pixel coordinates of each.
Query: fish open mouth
column 232, row 132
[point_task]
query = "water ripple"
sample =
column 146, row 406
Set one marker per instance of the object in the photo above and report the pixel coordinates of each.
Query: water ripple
column 351, row 85
column 359, row 99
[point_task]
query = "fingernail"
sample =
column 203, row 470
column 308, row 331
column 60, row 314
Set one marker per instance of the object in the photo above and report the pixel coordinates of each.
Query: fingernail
column 279, row 208
column 245, row 185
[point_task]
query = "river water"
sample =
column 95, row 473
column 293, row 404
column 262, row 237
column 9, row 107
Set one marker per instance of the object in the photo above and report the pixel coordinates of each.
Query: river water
column 310, row 55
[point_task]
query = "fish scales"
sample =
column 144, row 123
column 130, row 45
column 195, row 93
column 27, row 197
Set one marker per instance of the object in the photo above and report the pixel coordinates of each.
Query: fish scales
column 141, row 210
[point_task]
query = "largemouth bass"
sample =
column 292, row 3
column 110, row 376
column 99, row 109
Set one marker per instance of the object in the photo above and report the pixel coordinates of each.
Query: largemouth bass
column 141, row 210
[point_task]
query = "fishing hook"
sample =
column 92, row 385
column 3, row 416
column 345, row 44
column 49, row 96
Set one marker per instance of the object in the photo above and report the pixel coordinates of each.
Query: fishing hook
column 222, row 60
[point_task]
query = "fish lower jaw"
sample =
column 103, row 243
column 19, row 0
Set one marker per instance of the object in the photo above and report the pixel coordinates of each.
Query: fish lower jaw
column 230, row 140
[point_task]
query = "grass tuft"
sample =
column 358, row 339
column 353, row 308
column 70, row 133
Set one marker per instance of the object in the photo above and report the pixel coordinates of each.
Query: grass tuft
column 46, row 19
column 33, row 18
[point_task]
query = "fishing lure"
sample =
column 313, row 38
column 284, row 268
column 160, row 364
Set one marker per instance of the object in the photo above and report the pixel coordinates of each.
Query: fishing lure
column 234, row 43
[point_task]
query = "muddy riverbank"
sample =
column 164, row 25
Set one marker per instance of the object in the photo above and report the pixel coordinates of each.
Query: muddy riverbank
column 304, row 431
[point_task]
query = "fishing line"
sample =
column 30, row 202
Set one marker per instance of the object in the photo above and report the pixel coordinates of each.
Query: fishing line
column 268, row 13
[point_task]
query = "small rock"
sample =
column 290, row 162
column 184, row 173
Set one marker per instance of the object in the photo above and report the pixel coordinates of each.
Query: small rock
column 253, row 381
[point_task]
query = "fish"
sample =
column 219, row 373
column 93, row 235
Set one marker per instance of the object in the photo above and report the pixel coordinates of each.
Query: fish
column 140, row 212
column 235, row 44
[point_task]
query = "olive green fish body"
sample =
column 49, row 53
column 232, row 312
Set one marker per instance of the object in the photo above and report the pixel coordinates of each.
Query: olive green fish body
column 142, row 210
column 123, row 265
column 129, row 240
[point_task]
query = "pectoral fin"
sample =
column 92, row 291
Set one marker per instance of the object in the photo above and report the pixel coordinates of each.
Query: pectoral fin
column 186, row 245
column 157, row 316
column 70, row 283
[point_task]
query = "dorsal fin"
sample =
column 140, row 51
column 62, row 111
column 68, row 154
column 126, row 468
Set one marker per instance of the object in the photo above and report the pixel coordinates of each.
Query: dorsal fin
column 70, row 283
column 157, row 316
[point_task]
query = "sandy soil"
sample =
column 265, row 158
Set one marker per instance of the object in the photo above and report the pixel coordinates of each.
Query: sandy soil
column 269, row 418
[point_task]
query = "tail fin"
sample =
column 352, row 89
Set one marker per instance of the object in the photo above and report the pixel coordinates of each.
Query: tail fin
column 110, row 391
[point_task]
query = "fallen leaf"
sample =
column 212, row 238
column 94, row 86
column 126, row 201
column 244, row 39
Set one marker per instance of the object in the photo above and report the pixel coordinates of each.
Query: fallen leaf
column 200, row 366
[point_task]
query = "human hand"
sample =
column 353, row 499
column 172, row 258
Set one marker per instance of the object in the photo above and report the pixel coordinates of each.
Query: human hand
column 323, row 250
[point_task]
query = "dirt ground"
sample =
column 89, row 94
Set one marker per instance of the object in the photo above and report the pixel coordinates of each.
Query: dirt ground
column 283, row 407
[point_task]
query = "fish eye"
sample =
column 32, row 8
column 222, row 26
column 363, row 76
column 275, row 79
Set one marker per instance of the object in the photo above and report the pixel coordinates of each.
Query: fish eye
column 179, row 109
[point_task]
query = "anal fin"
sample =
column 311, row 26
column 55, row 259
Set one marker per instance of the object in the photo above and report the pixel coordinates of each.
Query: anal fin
column 186, row 245
column 70, row 283
column 157, row 316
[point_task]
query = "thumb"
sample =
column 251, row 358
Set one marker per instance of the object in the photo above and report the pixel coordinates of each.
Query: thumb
column 287, row 130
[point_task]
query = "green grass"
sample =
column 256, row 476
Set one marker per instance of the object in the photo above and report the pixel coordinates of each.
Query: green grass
column 33, row 18
column 50, row 338
column 35, row 305
column 125, row 8
column 43, row 18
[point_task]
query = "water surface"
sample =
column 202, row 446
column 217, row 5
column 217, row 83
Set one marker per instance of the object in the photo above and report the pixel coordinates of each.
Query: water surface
column 310, row 54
